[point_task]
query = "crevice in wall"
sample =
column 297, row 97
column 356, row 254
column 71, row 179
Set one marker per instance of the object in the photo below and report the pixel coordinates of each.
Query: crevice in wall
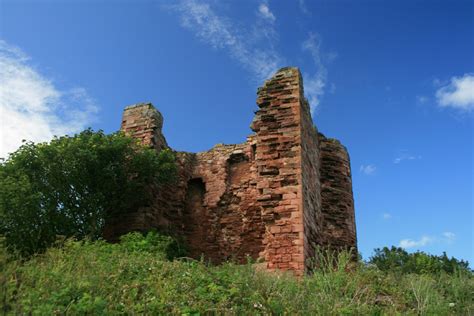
column 196, row 218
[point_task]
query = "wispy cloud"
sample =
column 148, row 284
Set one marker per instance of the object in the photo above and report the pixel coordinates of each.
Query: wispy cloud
column 421, row 99
column 303, row 7
column 221, row 33
column 404, row 156
column 314, row 84
column 438, row 83
column 458, row 94
column 449, row 236
column 386, row 216
column 253, row 46
column 368, row 169
column 265, row 13
column 410, row 243
column 31, row 107
column 446, row 237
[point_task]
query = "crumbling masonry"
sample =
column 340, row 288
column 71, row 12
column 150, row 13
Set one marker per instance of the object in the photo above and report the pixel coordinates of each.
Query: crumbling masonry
column 276, row 197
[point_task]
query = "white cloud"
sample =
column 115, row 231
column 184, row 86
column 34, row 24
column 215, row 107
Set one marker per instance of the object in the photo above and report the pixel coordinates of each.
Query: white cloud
column 368, row 169
column 459, row 93
column 261, row 59
column 449, row 236
column 264, row 12
column 446, row 237
column 387, row 216
column 410, row 243
column 31, row 107
column 314, row 84
column 406, row 157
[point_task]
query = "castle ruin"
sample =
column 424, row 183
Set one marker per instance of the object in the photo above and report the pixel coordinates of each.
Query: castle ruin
column 276, row 197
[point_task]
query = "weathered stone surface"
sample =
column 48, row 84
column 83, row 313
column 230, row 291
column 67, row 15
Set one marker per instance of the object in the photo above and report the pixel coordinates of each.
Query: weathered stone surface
column 144, row 122
column 276, row 197
column 336, row 195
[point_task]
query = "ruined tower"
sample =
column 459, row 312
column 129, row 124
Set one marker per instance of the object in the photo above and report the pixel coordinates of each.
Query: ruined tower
column 276, row 197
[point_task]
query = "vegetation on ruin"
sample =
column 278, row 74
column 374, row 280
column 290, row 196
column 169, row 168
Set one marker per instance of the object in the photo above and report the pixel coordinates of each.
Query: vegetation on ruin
column 55, row 198
column 71, row 185
column 149, row 275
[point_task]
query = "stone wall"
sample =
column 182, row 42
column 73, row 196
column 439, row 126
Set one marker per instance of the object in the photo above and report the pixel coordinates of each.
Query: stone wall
column 336, row 195
column 312, row 215
column 277, row 125
column 144, row 122
column 272, row 198
column 231, row 222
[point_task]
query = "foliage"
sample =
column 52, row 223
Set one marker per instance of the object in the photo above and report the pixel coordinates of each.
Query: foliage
column 71, row 185
column 397, row 259
column 134, row 278
column 167, row 246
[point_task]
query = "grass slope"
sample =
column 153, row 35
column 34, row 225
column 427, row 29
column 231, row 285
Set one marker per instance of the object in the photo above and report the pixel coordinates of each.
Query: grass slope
column 137, row 277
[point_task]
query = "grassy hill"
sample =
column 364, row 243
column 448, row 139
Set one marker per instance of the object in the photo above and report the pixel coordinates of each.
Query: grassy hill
column 144, row 275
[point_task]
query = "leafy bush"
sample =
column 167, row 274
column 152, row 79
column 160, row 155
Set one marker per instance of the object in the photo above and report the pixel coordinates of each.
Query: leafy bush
column 71, row 185
column 153, row 242
column 397, row 259
column 134, row 278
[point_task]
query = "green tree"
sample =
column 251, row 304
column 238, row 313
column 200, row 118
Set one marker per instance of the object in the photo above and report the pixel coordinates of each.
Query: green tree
column 71, row 185
column 397, row 259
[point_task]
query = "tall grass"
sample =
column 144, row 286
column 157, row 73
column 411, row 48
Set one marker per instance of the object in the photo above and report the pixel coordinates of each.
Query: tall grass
column 138, row 277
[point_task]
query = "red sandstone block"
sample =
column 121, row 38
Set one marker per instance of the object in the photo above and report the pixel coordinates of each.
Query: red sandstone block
column 269, row 156
column 263, row 184
column 293, row 265
column 275, row 184
column 292, row 207
column 290, row 196
column 297, row 228
column 282, row 222
column 280, row 208
column 288, row 189
column 286, row 258
column 264, row 197
column 275, row 229
column 283, row 265
column 271, row 251
column 295, row 215
column 297, row 242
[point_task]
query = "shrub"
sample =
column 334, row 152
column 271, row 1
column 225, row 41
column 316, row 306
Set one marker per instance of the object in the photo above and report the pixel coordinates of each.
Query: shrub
column 397, row 259
column 169, row 247
column 71, row 185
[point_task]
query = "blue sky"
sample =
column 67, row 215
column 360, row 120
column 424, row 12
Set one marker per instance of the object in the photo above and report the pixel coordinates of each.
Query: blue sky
column 393, row 80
